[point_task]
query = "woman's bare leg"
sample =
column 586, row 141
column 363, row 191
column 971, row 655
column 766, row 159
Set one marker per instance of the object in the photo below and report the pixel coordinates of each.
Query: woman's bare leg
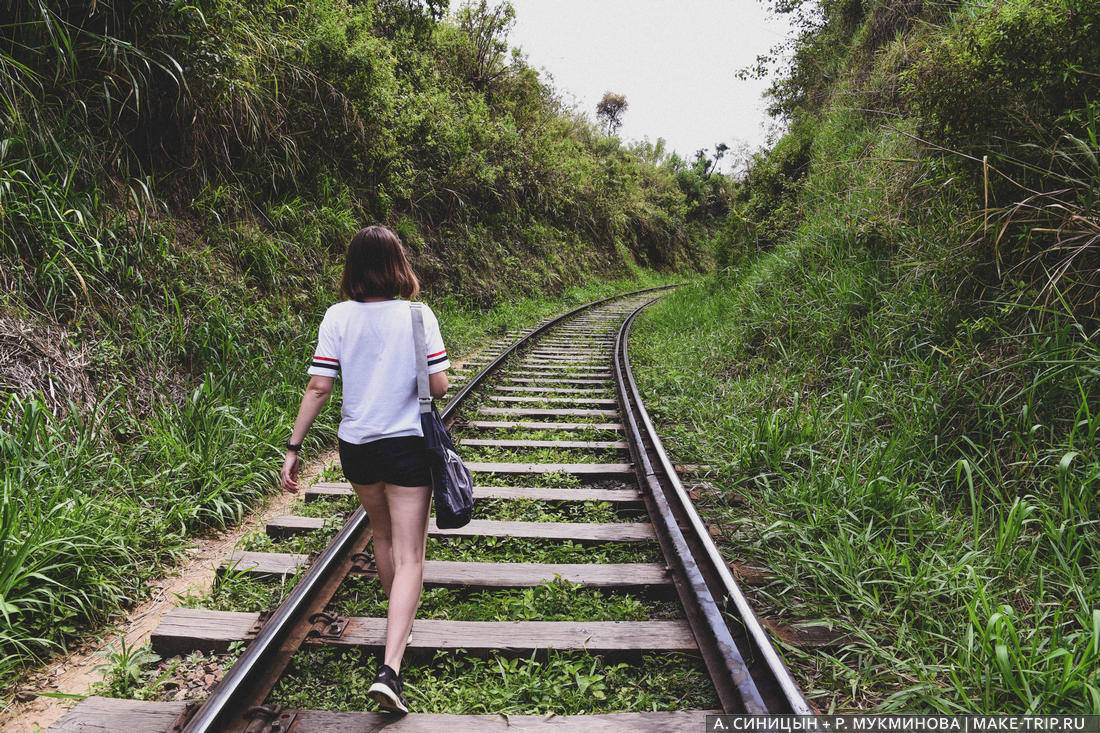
column 408, row 515
column 373, row 499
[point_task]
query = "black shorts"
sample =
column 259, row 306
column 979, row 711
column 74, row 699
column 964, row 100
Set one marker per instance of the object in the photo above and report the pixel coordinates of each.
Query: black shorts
column 402, row 461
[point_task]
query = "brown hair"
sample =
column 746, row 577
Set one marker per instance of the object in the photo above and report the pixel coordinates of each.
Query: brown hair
column 376, row 267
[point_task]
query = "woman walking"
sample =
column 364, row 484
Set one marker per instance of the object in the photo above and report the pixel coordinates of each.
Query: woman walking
column 367, row 340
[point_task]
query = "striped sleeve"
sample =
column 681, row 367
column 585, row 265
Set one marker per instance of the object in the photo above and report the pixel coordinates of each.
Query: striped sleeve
column 437, row 353
column 326, row 358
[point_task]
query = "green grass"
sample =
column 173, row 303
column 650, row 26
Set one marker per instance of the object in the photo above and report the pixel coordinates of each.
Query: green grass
column 585, row 433
column 304, row 543
column 555, row 480
column 331, row 473
column 501, row 549
column 560, row 683
column 239, row 591
column 559, row 600
column 933, row 500
column 324, row 507
column 500, row 454
column 530, row 510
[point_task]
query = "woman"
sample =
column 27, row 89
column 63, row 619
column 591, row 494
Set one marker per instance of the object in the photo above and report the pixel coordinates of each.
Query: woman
column 367, row 340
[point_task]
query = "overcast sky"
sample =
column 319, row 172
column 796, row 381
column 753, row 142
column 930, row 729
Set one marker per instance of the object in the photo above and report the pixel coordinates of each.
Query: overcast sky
column 675, row 60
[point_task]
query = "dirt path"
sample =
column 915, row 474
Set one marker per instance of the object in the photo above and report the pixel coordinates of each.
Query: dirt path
column 73, row 674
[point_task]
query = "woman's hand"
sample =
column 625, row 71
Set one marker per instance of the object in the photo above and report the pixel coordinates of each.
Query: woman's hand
column 290, row 472
column 317, row 392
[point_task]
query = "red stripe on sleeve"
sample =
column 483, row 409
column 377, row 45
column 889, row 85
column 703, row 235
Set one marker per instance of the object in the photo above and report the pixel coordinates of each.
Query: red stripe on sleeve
column 438, row 353
column 325, row 358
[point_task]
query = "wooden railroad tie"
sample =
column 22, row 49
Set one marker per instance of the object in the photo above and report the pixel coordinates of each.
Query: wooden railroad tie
column 546, row 376
column 108, row 714
column 545, row 412
column 536, row 493
column 581, row 532
column 544, row 366
column 599, row 345
column 185, row 630
column 480, row 575
column 552, row 390
column 576, row 469
column 555, row 400
column 535, row 425
column 567, row 362
column 603, row 382
column 562, row 444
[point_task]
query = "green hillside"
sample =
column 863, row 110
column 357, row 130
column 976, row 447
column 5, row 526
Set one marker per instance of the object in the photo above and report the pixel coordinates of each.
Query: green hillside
column 895, row 375
column 177, row 184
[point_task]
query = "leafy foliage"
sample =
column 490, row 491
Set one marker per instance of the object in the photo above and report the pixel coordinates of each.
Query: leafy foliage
column 932, row 500
column 999, row 106
column 124, row 668
column 894, row 377
column 610, row 109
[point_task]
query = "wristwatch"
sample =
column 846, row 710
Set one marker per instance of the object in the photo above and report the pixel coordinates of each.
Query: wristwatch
column 293, row 446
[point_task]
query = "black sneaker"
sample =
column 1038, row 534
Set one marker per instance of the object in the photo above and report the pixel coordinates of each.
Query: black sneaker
column 386, row 691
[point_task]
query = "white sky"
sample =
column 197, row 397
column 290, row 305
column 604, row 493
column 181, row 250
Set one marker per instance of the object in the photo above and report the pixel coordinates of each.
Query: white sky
column 674, row 60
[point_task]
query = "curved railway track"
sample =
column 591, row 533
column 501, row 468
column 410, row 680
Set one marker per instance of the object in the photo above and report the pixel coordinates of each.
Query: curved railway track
column 554, row 385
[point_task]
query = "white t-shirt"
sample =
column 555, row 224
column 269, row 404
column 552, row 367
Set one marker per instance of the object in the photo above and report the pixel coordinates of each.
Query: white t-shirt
column 370, row 345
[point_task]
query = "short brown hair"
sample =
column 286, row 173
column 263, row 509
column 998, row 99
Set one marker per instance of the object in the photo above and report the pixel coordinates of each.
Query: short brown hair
column 376, row 267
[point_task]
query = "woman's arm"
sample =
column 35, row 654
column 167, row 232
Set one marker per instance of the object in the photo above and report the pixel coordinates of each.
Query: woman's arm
column 437, row 384
column 317, row 394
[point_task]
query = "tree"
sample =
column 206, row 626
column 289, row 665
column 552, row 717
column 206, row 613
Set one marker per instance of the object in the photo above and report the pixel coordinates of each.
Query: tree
column 704, row 165
column 487, row 28
column 610, row 109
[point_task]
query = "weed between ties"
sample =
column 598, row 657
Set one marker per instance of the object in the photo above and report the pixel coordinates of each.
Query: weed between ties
column 555, row 682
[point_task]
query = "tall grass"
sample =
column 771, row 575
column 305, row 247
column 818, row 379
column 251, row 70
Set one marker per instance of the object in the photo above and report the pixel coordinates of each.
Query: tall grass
column 948, row 530
column 1049, row 237
column 86, row 519
column 917, row 469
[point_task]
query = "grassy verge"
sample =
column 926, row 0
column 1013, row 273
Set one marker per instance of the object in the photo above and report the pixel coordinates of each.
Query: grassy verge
column 931, row 500
column 99, row 499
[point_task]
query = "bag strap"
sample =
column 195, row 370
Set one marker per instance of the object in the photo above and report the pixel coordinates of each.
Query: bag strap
column 423, row 394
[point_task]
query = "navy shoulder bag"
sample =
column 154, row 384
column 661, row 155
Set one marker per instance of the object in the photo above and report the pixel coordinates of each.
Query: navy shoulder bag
column 452, row 484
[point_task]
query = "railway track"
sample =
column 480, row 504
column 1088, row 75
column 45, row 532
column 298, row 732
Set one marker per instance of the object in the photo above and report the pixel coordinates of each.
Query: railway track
column 563, row 388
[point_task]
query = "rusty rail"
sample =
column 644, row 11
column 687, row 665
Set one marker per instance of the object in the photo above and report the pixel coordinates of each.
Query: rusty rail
column 747, row 672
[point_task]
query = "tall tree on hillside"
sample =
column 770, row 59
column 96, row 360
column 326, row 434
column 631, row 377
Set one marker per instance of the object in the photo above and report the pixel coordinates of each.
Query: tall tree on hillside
column 487, row 26
column 610, row 109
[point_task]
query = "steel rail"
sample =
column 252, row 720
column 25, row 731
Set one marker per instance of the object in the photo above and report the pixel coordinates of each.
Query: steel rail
column 250, row 680
column 492, row 366
column 733, row 672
